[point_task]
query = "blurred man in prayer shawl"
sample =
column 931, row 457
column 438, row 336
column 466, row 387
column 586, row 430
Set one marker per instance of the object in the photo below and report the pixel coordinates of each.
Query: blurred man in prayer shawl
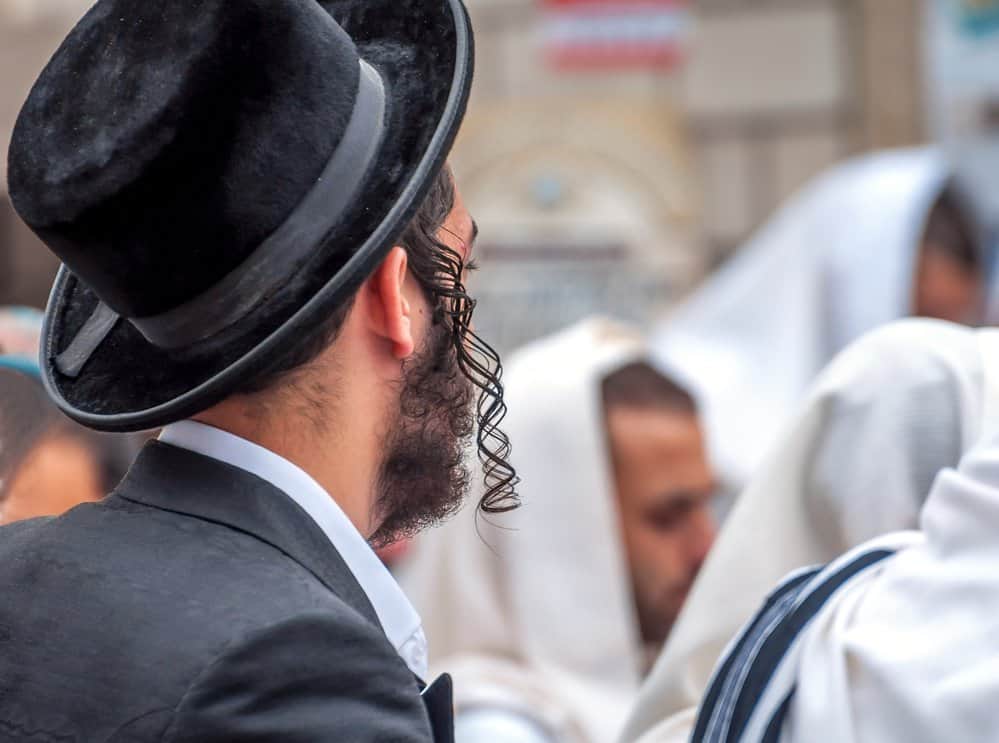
column 549, row 621
column 893, row 641
column 48, row 463
column 874, row 240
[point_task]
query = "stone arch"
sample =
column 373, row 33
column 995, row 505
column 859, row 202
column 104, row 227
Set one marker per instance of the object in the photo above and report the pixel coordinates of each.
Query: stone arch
column 599, row 195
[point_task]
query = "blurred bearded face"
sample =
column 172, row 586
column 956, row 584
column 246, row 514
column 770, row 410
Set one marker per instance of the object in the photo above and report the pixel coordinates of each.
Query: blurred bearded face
column 424, row 477
column 664, row 486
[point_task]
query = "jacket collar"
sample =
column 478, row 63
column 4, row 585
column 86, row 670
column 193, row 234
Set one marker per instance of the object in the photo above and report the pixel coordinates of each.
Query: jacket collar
column 174, row 479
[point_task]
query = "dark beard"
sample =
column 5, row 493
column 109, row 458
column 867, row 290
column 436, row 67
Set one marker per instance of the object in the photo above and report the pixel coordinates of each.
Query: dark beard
column 423, row 477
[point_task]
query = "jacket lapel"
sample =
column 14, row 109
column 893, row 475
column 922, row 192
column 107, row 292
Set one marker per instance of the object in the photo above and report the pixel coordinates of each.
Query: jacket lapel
column 438, row 700
column 182, row 481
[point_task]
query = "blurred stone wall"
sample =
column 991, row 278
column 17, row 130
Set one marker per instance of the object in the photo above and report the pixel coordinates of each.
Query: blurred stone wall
column 778, row 90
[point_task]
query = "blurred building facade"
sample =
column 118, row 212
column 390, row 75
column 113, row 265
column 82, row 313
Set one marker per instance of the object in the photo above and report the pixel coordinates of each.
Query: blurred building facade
column 604, row 189
column 615, row 191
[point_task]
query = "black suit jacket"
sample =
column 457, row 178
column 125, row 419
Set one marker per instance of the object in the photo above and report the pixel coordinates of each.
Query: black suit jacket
column 196, row 604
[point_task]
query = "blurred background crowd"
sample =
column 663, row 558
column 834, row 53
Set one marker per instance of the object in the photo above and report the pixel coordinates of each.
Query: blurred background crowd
column 750, row 185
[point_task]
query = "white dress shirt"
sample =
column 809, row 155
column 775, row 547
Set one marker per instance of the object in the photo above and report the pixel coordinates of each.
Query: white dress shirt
column 398, row 618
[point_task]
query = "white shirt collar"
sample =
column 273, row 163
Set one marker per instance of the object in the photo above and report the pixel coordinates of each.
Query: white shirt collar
column 399, row 619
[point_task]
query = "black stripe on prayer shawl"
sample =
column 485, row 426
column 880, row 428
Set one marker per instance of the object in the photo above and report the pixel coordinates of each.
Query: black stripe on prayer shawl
column 742, row 679
column 741, row 654
column 776, row 724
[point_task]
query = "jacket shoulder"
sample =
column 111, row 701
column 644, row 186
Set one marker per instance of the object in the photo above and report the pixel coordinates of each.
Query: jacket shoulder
column 313, row 676
column 142, row 589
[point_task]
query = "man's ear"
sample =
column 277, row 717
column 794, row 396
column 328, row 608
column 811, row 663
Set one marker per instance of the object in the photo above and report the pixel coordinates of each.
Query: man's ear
column 390, row 311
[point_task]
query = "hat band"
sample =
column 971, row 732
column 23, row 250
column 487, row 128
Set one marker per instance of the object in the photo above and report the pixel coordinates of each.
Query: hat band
column 277, row 259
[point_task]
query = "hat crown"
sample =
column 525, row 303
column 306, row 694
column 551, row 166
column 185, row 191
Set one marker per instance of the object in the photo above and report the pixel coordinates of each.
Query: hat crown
column 165, row 141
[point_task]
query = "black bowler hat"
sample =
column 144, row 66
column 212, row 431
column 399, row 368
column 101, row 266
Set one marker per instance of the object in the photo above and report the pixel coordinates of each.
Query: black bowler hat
column 218, row 176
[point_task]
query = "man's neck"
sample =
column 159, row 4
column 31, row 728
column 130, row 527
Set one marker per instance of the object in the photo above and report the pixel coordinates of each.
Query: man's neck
column 343, row 465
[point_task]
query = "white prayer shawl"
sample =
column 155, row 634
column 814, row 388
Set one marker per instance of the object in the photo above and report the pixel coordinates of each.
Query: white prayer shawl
column 900, row 404
column 835, row 262
column 909, row 652
column 888, row 414
column 536, row 615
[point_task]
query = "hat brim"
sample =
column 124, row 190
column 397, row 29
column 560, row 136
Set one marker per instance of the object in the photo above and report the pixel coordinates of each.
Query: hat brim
column 129, row 384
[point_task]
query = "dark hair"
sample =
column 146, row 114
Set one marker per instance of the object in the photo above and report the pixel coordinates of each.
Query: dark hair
column 639, row 385
column 294, row 359
column 950, row 231
column 438, row 269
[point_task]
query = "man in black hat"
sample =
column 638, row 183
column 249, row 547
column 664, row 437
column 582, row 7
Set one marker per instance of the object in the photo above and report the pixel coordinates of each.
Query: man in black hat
column 264, row 252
